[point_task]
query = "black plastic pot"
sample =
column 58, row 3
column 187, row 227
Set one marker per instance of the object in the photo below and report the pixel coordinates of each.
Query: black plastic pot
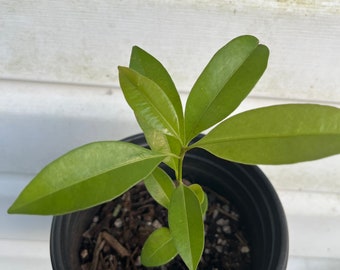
column 245, row 186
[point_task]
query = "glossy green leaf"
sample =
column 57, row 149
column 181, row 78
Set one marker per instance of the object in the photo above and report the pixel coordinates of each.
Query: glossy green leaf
column 224, row 83
column 160, row 186
column 277, row 135
column 162, row 143
column 86, row 176
column 150, row 67
column 186, row 225
column 147, row 65
column 149, row 102
column 158, row 249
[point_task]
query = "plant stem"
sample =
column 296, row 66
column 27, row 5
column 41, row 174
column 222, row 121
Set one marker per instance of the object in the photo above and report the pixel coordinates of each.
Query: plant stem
column 179, row 175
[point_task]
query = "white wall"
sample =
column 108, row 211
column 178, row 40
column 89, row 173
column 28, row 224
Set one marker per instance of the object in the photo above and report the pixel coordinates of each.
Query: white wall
column 83, row 41
column 59, row 86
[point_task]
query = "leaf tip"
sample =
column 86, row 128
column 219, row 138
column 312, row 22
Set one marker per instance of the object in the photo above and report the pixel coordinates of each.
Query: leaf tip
column 136, row 48
column 15, row 209
column 11, row 210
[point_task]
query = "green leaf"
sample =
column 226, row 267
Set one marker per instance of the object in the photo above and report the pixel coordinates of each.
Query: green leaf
column 197, row 189
column 201, row 196
column 160, row 186
column 147, row 65
column 224, row 83
column 158, row 249
column 186, row 225
column 86, row 176
column 204, row 204
column 149, row 102
column 162, row 143
column 278, row 134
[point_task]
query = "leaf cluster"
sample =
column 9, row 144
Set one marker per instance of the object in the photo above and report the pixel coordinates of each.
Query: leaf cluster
column 101, row 171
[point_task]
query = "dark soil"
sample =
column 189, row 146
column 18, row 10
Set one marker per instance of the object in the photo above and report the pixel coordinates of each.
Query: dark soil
column 119, row 230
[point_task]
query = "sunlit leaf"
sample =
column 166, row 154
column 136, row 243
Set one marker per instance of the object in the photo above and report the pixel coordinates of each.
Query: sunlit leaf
column 186, row 225
column 86, row 176
column 277, row 135
column 224, row 83
column 150, row 67
column 149, row 102
column 160, row 186
column 147, row 65
column 158, row 249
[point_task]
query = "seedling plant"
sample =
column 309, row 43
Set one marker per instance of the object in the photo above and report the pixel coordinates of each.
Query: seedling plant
column 101, row 171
